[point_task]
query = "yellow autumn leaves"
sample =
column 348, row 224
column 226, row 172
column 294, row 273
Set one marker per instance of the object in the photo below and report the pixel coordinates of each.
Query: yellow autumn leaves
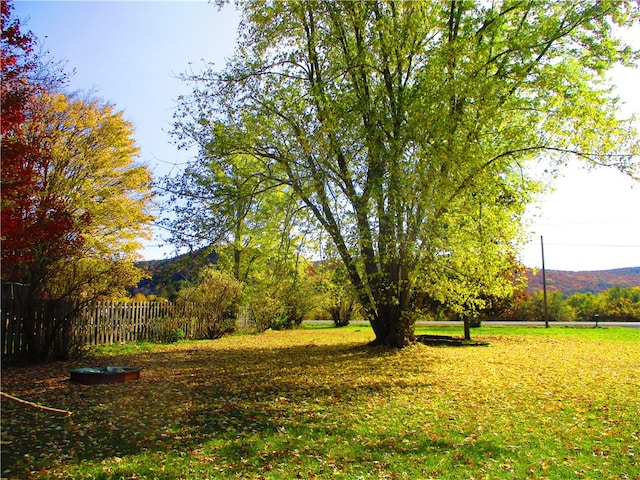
column 318, row 403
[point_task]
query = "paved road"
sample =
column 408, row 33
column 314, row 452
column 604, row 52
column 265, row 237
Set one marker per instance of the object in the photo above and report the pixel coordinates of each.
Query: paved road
column 513, row 324
column 541, row 324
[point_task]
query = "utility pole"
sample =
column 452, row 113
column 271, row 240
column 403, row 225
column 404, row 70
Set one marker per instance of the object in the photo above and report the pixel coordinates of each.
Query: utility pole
column 544, row 286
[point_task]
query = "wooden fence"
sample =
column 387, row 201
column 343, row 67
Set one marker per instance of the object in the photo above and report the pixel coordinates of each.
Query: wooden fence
column 33, row 329
column 104, row 323
column 101, row 323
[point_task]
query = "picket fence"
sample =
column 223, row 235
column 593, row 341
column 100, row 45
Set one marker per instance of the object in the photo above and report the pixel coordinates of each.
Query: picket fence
column 103, row 323
column 109, row 322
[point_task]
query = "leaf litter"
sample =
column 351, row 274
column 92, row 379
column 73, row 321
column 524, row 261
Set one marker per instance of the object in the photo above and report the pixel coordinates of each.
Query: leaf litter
column 320, row 404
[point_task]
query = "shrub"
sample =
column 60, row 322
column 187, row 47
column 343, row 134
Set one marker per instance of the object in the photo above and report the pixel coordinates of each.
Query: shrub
column 265, row 311
column 212, row 302
column 176, row 335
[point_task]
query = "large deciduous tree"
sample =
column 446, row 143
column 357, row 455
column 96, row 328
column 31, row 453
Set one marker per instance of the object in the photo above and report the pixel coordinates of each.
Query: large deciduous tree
column 20, row 85
column 71, row 233
column 89, row 189
column 403, row 128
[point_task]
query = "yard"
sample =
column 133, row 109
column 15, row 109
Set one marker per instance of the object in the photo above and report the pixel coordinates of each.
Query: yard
column 317, row 403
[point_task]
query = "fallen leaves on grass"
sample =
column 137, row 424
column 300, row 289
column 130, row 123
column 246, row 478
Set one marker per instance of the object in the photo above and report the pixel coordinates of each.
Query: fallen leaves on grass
column 319, row 404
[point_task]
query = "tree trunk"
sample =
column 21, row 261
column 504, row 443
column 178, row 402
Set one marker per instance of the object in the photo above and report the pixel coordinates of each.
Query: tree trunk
column 393, row 325
column 402, row 332
column 467, row 329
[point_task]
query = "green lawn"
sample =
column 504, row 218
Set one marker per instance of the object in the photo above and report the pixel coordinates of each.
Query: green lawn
column 558, row 403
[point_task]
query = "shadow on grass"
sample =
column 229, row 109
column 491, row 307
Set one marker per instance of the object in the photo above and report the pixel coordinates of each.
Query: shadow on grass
column 247, row 406
column 448, row 341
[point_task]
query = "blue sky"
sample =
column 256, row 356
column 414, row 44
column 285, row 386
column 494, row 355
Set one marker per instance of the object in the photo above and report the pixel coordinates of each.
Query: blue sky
column 130, row 54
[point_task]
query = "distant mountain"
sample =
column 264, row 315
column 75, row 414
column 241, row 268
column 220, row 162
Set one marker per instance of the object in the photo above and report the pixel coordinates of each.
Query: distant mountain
column 170, row 271
column 587, row 281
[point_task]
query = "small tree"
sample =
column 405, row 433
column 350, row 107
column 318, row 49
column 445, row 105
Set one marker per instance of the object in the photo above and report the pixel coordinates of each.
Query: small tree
column 339, row 299
column 256, row 231
column 213, row 302
column 621, row 304
column 281, row 298
column 585, row 305
column 557, row 309
column 299, row 298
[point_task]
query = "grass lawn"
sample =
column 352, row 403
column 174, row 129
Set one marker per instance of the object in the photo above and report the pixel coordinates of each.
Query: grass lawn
column 556, row 403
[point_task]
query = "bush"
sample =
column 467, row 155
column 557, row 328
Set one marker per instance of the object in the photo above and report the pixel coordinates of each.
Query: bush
column 265, row 311
column 176, row 335
column 212, row 303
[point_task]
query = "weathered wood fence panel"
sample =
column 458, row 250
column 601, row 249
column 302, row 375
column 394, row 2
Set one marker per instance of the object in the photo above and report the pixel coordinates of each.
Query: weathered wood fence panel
column 102, row 323
column 34, row 329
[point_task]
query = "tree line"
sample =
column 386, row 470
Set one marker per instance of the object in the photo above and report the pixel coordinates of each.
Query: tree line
column 324, row 293
column 619, row 304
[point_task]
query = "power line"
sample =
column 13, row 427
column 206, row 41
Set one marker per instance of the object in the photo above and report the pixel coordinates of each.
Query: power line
column 592, row 245
column 590, row 222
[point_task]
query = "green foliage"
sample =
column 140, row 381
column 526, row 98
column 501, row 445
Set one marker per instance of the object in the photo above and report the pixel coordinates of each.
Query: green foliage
column 176, row 335
column 533, row 308
column 620, row 304
column 342, row 310
column 281, row 299
column 213, row 301
column 257, row 232
column 402, row 129
column 265, row 311
column 338, row 297
column 586, row 305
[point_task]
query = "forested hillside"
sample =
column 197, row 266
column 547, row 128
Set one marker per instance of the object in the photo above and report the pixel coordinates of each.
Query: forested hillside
column 594, row 281
column 165, row 274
